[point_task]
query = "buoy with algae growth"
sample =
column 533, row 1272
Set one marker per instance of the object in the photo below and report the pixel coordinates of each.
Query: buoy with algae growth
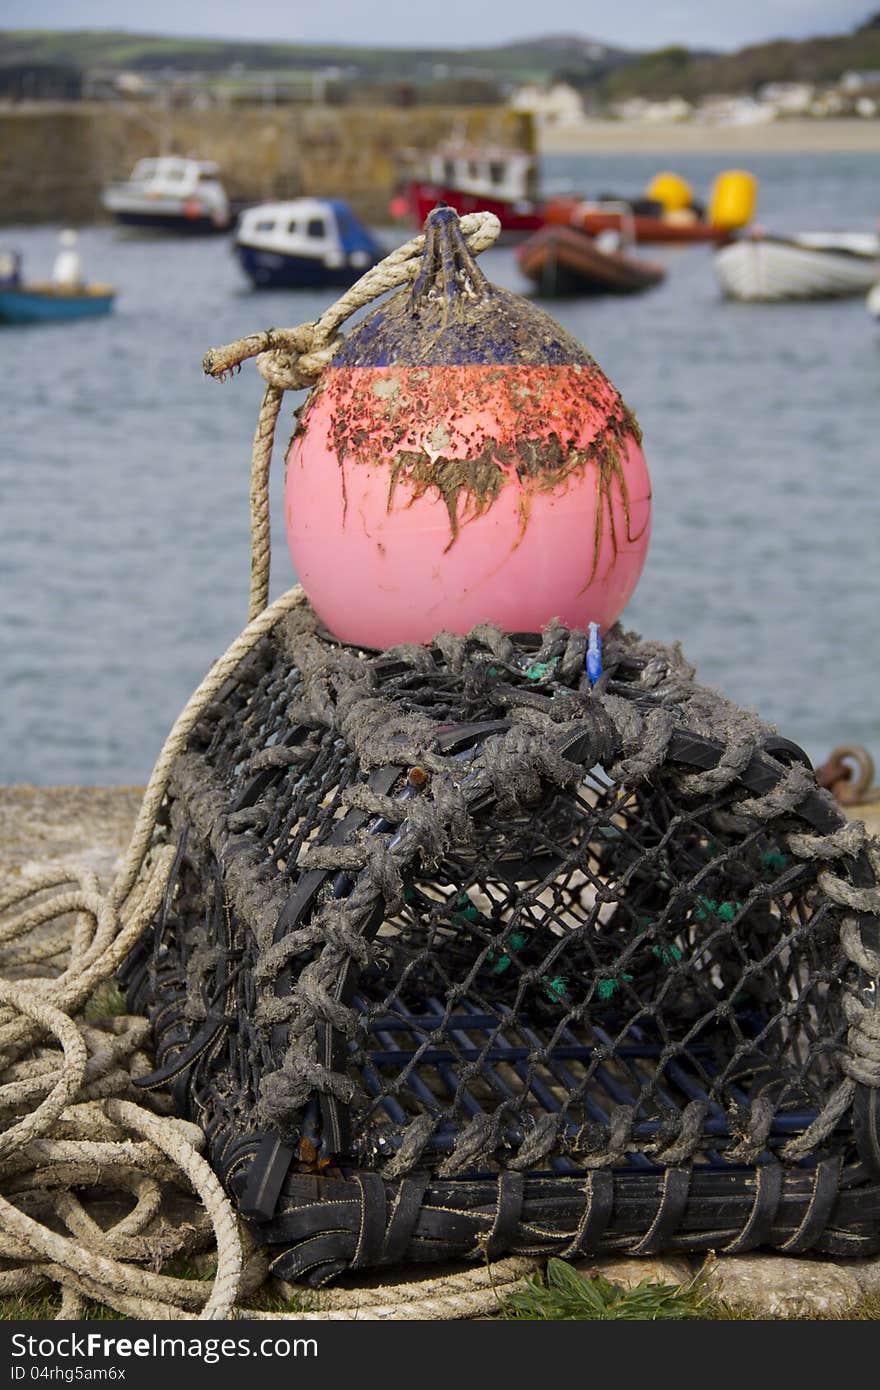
column 464, row 460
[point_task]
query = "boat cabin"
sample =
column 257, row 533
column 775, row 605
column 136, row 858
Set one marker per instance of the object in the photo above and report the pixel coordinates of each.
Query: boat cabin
column 324, row 229
column 505, row 175
column 170, row 174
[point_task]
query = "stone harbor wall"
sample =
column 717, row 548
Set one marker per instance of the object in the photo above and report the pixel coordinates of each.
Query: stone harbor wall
column 55, row 158
column 91, row 826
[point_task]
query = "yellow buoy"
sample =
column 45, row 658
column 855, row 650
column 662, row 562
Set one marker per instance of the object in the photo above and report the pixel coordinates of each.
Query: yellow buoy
column 674, row 192
column 733, row 199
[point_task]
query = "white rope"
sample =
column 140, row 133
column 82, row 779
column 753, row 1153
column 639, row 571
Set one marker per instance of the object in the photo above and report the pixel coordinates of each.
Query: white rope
column 469, row 1294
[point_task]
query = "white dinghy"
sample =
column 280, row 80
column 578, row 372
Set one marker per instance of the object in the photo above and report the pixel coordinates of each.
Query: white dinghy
column 811, row 265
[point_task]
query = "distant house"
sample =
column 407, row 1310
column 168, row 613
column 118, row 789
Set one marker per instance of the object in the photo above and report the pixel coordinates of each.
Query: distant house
column 557, row 105
column 861, row 81
column 830, row 103
column 788, row 98
column 670, row 109
column 734, row 110
column 40, row 82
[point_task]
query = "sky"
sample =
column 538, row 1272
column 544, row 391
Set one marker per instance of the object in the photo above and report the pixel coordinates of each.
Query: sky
column 452, row 23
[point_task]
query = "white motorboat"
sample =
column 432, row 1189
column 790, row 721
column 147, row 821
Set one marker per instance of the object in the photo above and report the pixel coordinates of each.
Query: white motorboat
column 304, row 243
column 170, row 194
column 811, row 265
column 873, row 300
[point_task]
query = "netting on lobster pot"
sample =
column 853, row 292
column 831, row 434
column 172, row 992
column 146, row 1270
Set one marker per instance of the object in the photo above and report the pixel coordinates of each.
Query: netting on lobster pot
column 464, row 953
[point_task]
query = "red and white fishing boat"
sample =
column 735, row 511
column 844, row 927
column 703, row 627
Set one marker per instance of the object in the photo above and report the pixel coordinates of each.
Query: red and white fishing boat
column 468, row 180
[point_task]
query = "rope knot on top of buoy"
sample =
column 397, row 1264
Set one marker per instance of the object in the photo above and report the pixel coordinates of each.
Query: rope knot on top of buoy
column 298, row 369
column 290, row 359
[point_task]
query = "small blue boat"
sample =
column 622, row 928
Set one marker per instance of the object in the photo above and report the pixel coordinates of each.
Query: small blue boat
column 46, row 304
column 304, row 243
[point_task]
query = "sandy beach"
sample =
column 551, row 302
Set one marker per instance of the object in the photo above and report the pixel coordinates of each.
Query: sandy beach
column 772, row 137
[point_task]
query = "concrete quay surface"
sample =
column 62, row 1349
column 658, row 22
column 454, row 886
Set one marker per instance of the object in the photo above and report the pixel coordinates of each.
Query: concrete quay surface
column 91, row 826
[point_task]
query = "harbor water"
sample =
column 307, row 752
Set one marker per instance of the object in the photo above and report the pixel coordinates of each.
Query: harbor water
column 124, row 544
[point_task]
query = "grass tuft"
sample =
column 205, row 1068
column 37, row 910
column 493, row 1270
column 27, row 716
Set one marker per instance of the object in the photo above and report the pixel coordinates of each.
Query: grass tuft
column 563, row 1294
column 106, row 1002
column 44, row 1307
column 867, row 1309
column 269, row 1300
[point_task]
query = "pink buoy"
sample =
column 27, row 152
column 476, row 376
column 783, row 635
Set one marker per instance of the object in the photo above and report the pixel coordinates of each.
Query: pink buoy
column 464, row 460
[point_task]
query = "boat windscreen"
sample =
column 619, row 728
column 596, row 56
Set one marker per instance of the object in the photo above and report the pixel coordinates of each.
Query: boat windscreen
column 352, row 233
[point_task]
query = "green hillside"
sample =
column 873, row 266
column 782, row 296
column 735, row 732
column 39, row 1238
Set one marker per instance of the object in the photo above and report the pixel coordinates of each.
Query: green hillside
column 677, row 72
column 604, row 71
column 515, row 62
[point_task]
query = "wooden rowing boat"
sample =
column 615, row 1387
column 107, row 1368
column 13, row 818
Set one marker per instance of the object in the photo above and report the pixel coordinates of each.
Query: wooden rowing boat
column 563, row 261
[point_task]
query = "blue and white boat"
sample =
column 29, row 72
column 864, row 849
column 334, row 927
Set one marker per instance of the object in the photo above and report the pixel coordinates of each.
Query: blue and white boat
column 303, row 244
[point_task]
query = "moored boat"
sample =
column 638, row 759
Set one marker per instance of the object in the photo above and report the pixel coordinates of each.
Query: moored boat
column 44, row 303
column 503, row 182
column 811, row 265
column 304, row 242
column 564, row 261
column 667, row 212
column 170, row 194
column 873, row 300
column 609, row 215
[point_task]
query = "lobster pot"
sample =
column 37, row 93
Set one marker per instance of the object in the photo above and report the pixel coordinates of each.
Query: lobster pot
column 466, row 952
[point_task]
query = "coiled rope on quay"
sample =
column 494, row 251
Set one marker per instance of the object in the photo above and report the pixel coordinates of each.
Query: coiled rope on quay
column 67, row 1101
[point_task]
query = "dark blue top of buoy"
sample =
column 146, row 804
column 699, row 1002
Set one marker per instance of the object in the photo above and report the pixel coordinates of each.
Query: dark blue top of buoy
column 452, row 315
